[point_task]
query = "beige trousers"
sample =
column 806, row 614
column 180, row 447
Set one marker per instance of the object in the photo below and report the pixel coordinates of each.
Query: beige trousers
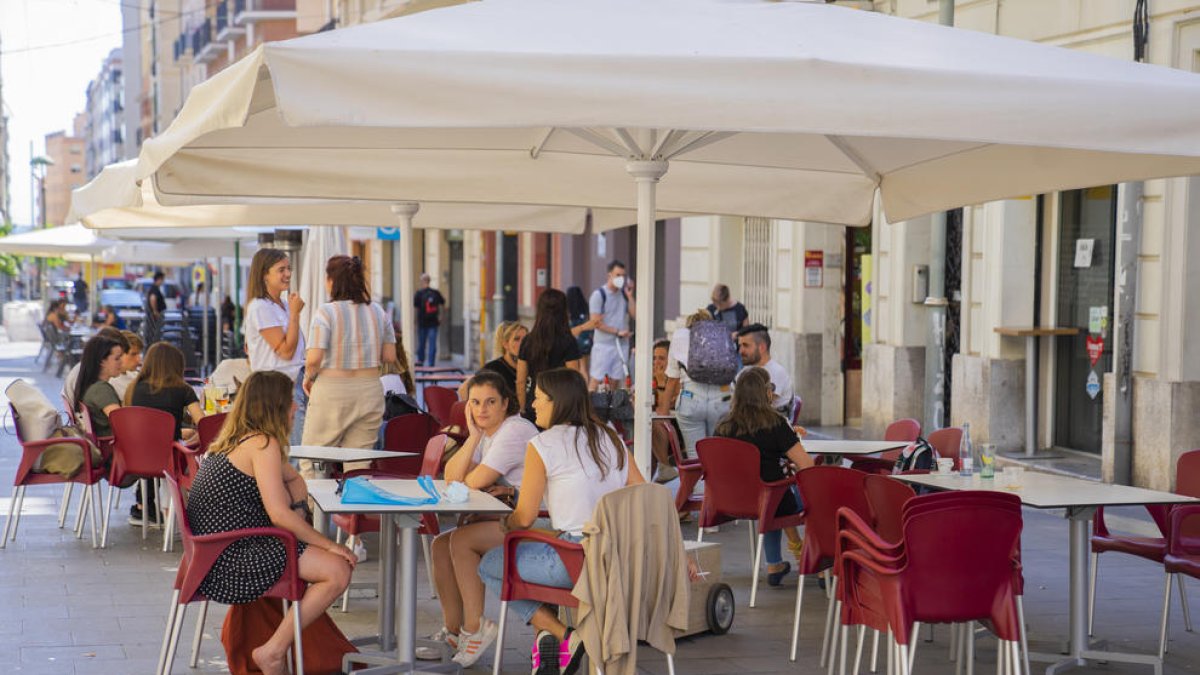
column 343, row 412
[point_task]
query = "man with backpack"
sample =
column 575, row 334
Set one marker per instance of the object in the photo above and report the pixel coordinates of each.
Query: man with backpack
column 702, row 363
column 429, row 304
column 611, row 307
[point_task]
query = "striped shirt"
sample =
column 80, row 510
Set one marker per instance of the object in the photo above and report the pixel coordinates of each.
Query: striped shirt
column 352, row 334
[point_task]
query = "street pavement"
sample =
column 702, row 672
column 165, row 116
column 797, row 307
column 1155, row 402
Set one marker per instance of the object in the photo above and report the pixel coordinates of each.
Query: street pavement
column 70, row 609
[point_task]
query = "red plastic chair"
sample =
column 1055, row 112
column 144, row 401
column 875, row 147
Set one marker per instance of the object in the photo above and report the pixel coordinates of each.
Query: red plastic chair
column 438, row 401
column 951, row 570
column 89, row 476
column 513, row 587
column 690, row 472
column 208, row 429
column 734, row 490
column 887, row 498
column 406, row 433
column 458, row 420
column 200, row 553
column 824, row 490
column 1181, row 557
column 1187, row 482
column 355, row 525
column 144, row 447
column 947, row 443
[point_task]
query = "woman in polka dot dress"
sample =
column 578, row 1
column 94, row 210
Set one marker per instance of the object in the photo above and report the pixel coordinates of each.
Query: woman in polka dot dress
column 245, row 481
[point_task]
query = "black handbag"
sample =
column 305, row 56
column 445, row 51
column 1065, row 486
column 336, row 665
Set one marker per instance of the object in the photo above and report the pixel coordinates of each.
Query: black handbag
column 613, row 406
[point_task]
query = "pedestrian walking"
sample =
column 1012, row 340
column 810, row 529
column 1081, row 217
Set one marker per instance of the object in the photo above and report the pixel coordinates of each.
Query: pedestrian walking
column 611, row 307
column 725, row 308
column 429, row 304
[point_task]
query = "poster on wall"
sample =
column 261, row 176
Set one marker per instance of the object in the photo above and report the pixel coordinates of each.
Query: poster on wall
column 1083, row 252
column 814, row 272
column 1095, row 348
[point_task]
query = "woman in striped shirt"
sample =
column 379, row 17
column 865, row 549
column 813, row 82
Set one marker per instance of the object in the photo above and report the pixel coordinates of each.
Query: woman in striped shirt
column 349, row 338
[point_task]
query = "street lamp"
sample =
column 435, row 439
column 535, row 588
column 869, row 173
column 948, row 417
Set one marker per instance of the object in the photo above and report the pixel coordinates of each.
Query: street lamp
column 38, row 166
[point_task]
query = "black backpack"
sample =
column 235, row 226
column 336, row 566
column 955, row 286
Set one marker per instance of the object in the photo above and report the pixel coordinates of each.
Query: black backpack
column 918, row 456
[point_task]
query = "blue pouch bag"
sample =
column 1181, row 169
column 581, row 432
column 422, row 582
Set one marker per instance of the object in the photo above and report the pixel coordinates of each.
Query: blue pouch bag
column 360, row 490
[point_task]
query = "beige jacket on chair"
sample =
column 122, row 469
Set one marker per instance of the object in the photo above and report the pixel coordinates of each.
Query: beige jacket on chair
column 634, row 584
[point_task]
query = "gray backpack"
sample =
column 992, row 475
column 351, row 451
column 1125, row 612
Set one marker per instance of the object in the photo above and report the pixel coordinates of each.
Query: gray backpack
column 712, row 355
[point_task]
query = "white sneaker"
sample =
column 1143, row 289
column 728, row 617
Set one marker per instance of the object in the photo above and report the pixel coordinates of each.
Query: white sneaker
column 472, row 646
column 443, row 636
column 360, row 550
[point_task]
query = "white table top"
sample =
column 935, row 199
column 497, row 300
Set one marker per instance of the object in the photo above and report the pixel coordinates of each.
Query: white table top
column 842, row 447
column 323, row 493
column 1049, row 491
column 319, row 453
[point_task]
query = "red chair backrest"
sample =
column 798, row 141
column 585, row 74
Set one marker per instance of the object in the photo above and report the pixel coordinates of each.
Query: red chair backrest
column 439, row 401
column 960, row 557
column 947, row 442
column 513, row 587
column 143, row 442
column 208, row 429
column 732, row 482
column 406, row 433
column 1187, row 474
column 906, row 430
column 70, row 410
column 431, row 461
column 887, row 496
column 458, row 415
column 824, row 490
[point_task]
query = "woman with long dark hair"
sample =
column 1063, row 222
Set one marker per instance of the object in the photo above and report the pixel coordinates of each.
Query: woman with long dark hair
column 350, row 337
column 244, row 482
column 101, row 361
column 492, row 459
column 548, row 345
column 274, row 337
column 752, row 419
column 572, row 464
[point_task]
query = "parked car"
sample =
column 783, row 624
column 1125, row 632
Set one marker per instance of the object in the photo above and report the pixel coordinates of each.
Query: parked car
column 115, row 282
column 170, row 290
column 127, row 303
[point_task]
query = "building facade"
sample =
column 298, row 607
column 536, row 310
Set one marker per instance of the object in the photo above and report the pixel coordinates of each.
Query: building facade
column 68, row 171
column 106, row 115
column 5, row 175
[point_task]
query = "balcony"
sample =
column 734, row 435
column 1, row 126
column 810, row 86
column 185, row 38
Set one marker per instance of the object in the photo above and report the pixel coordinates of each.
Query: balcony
column 247, row 12
column 208, row 50
column 226, row 30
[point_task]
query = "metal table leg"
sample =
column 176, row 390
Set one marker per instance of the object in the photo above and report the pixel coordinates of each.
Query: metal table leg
column 1079, row 648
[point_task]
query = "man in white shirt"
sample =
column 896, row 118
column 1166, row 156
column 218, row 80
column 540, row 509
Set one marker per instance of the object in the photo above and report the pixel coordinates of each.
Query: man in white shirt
column 754, row 345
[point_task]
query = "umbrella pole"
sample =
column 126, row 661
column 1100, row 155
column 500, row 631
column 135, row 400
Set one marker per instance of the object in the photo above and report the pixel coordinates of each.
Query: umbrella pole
column 93, row 292
column 204, row 370
column 405, row 212
column 236, row 319
column 647, row 175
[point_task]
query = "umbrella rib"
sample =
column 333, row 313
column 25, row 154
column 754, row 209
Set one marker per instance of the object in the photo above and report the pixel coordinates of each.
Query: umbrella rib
column 705, row 138
column 664, row 141
column 851, row 154
column 635, row 150
column 598, row 140
column 537, row 147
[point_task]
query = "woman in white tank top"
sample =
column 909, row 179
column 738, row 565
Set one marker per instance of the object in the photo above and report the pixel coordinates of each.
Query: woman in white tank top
column 572, row 464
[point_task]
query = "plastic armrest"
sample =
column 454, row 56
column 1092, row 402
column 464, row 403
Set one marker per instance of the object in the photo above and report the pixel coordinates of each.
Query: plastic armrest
column 863, row 560
column 1177, row 544
column 32, row 450
column 848, row 519
column 570, row 552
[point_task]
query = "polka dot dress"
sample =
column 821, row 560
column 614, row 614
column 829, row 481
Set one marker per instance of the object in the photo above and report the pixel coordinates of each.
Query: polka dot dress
column 223, row 499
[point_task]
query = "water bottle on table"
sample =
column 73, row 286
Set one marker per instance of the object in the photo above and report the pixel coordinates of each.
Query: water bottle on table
column 966, row 463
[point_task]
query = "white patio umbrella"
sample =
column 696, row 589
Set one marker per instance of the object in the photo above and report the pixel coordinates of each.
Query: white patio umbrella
column 774, row 109
column 320, row 244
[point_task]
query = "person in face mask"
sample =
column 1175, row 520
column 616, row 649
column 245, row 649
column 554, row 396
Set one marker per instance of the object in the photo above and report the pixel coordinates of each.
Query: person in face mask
column 611, row 307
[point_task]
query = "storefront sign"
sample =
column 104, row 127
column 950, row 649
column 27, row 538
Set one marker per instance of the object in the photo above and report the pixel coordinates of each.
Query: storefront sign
column 1097, row 320
column 814, row 274
column 1083, row 252
column 1093, row 385
column 1095, row 348
column 387, row 233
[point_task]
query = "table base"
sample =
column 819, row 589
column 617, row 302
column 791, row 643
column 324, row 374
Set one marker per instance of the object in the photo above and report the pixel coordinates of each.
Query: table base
column 1061, row 664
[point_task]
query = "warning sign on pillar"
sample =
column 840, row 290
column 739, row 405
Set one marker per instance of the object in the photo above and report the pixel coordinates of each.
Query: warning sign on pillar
column 814, row 269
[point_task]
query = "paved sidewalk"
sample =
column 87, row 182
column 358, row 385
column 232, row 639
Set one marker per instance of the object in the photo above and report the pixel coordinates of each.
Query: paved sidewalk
column 69, row 609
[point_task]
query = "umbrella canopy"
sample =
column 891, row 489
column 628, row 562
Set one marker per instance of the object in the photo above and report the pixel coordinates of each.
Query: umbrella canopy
column 777, row 109
column 114, row 200
column 72, row 242
column 320, row 244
